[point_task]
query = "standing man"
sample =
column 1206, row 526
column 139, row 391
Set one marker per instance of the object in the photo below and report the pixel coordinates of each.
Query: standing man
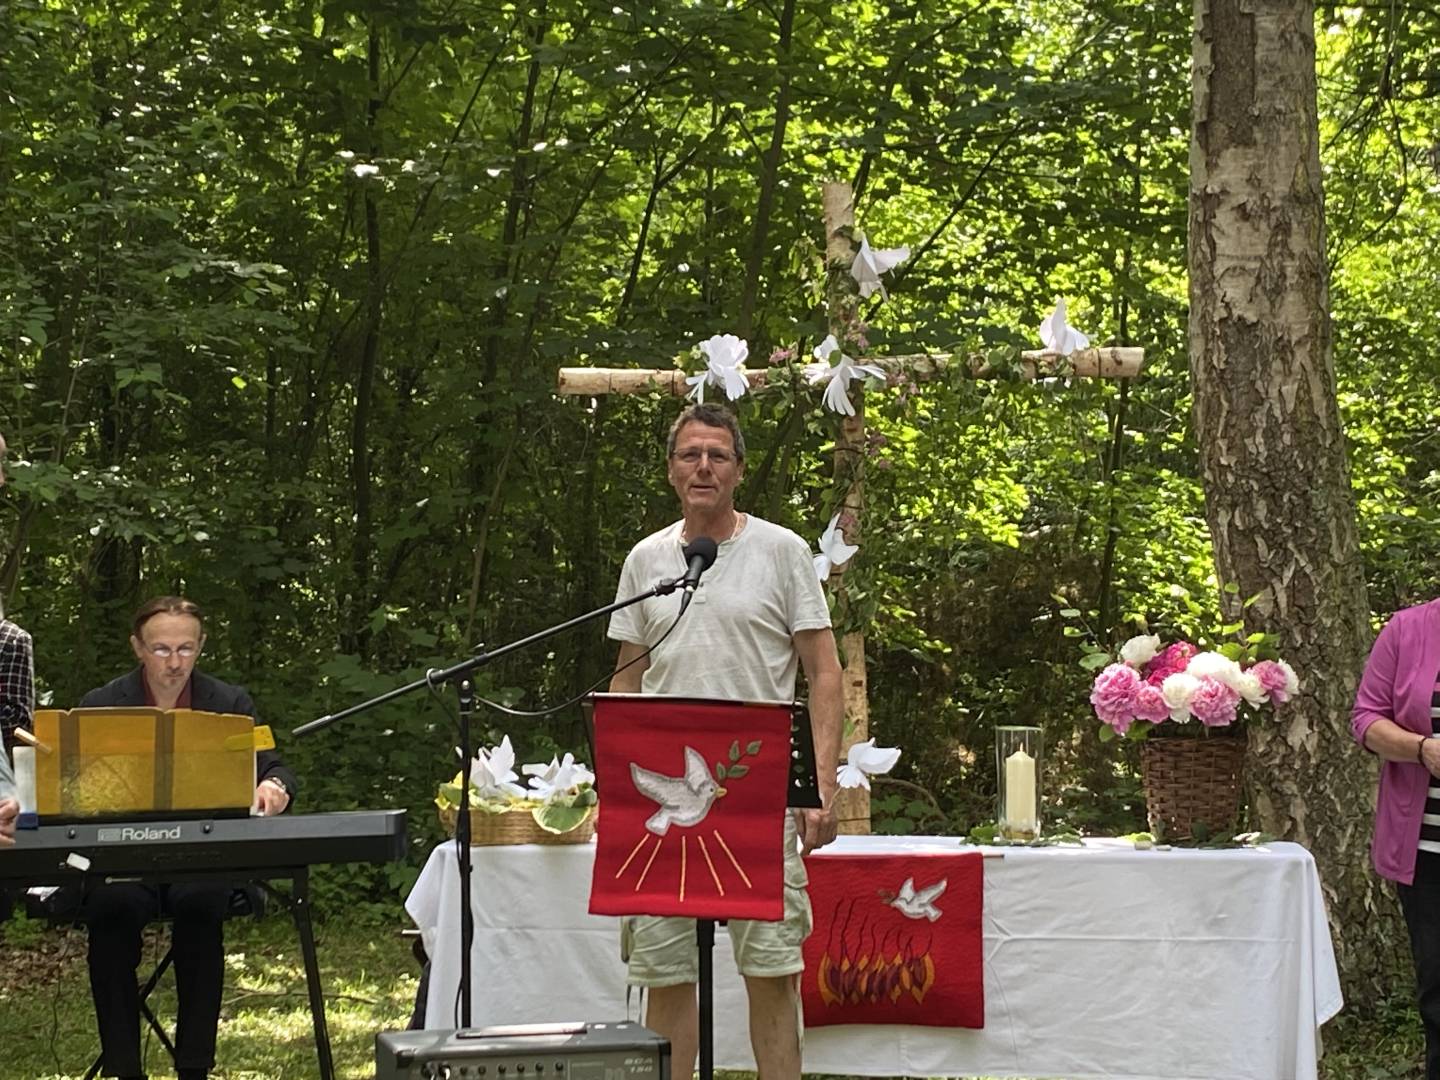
column 168, row 635
column 758, row 615
column 17, row 666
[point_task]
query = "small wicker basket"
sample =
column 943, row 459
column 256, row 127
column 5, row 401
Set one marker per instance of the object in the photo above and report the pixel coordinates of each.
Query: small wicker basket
column 514, row 827
column 1192, row 781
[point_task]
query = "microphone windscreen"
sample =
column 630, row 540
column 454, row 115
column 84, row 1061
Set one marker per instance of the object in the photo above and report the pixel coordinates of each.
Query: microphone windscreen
column 704, row 547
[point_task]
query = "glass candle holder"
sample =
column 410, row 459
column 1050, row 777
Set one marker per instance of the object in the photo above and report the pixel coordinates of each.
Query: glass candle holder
column 1018, row 757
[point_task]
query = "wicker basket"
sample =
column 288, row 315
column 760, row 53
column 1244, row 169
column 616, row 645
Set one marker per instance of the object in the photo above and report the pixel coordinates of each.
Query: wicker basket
column 515, row 827
column 1190, row 782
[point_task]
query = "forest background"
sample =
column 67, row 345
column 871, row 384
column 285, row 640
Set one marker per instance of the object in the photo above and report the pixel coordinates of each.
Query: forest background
column 284, row 288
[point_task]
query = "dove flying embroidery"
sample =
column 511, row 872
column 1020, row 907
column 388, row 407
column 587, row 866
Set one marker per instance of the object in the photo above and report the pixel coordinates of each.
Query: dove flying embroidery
column 919, row 904
column 684, row 800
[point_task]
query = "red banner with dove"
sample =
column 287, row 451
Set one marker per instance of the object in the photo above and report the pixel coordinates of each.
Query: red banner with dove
column 897, row 940
column 692, row 796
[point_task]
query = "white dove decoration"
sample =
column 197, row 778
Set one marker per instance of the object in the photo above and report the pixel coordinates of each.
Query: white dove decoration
column 869, row 264
column 724, row 359
column 865, row 760
column 684, row 800
column 549, row 781
column 919, row 904
column 1058, row 335
column 840, row 374
column 834, row 551
column 493, row 773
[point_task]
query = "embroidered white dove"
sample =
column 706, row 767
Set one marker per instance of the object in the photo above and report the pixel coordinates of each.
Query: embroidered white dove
column 1058, row 335
column 841, row 375
column 684, row 800
column 864, row 760
column 724, row 356
column 919, row 904
column 869, row 264
column 834, row 551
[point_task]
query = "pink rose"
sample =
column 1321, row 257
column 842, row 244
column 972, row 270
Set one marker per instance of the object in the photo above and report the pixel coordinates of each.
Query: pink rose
column 1114, row 694
column 1274, row 680
column 1214, row 703
column 1169, row 661
column 1150, row 704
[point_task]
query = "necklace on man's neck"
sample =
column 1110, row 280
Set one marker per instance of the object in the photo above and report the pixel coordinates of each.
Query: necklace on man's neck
column 734, row 531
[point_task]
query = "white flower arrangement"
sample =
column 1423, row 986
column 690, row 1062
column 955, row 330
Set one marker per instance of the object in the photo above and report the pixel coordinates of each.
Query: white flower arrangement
column 560, row 795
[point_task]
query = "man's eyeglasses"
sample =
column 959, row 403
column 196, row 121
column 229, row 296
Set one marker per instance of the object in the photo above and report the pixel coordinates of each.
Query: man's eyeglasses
column 692, row 456
column 164, row 652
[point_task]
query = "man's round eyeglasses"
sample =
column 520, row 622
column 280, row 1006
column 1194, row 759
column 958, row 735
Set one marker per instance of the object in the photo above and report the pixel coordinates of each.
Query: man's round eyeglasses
column 693, row 456
column 164, row 652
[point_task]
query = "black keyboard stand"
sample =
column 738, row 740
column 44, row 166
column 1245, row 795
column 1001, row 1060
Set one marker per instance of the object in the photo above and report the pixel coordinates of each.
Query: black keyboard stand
column 145, row 1014
column 297, row 902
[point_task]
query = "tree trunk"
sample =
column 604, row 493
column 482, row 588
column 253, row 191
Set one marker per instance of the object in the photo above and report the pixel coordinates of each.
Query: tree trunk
column 357, row 631
column 769, row 176
column 1272, row 454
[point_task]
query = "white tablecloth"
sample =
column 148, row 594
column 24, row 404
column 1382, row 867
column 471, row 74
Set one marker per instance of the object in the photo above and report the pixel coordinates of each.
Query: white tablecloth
column 1100, row 961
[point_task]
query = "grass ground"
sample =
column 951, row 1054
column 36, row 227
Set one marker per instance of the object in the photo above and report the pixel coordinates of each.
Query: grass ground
column 47, row 1030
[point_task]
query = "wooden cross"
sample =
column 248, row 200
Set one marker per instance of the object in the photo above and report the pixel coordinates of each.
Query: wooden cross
column 853, row 805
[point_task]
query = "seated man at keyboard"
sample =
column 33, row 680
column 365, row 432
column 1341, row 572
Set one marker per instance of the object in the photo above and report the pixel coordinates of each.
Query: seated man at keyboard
column 167, row 636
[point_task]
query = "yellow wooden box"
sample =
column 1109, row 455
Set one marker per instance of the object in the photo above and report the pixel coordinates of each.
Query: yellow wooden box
column 143, row 761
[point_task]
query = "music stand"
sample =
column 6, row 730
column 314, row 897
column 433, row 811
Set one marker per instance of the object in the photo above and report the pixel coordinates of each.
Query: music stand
column 801, row 792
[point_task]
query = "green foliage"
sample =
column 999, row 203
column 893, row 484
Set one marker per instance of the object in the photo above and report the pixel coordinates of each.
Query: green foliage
column 287, row 341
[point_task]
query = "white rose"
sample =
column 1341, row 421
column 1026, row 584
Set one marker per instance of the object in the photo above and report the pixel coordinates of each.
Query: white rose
column 1140, row 650
column 1292, row 681
column 1178, row 690
column 1248, row 687
column 1217, row 666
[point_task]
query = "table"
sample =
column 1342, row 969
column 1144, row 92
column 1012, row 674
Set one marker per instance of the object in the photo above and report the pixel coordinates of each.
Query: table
column 1100, row 961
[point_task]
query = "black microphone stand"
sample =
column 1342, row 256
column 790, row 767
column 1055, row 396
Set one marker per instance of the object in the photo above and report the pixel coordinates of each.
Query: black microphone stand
column 460, row 675
column 802, row 792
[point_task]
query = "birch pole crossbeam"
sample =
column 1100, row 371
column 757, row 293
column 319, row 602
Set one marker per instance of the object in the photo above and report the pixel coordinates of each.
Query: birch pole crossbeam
column 1104, row 363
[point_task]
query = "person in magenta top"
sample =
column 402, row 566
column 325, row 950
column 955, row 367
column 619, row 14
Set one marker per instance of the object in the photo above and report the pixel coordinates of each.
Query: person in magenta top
column 1397, row 717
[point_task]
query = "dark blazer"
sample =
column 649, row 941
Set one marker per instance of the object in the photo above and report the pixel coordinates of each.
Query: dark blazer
column 207, row 694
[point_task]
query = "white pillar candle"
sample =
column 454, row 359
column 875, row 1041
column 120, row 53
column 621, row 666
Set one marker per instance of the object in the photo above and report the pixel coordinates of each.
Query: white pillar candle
column 24, row 757
column 1021, row 811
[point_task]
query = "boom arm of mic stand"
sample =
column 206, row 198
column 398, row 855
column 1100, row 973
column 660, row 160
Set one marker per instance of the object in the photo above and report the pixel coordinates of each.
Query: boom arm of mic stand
column 464, row 667
column 460, row 674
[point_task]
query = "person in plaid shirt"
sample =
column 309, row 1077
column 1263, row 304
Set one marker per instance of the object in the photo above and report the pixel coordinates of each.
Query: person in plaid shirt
column 17, row 666
column 17, row 680
column 20, row 658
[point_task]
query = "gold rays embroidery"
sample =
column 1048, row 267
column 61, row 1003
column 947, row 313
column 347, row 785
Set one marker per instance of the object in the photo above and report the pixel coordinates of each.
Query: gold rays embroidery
column 714, row 876
column 685, row 862
column 633, row 852
column 656, row 851
column 733, row 861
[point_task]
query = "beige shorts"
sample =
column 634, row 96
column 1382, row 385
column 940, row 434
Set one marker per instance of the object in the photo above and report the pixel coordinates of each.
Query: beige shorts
column 661, row 950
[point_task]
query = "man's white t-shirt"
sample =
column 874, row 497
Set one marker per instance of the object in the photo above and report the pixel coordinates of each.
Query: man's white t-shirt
column 734, row 640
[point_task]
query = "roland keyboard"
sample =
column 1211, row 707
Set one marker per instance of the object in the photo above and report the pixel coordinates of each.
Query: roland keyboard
column 54, row 854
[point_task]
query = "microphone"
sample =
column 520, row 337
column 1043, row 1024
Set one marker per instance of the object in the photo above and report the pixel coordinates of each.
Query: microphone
column 699, row 556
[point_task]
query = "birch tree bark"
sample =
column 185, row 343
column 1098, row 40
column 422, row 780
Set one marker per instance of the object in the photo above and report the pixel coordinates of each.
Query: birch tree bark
column 1272, row 453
